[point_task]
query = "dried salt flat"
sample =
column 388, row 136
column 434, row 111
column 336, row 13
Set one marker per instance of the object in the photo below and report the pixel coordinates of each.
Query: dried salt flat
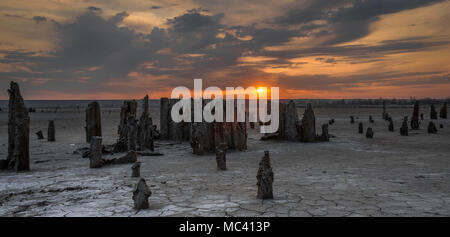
column 399, row 176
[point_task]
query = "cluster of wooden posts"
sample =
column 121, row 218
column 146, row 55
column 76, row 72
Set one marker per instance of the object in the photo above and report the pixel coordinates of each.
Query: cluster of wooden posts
column 204, row 137
column 414, row 123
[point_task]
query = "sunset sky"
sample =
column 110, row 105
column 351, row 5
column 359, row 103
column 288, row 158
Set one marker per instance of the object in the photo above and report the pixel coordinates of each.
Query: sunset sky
column 111, row 49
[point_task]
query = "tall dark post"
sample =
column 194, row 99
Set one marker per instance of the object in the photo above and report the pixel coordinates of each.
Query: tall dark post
column 324, row 137
column 95, row 152
column 404, row 127
column 221, row 156
column 132, row 132
column 369, row 132
column 93, row 121
column 265, row 178
column 415, row 117
column 308, row 125
column 433, row 112
column 145, row 128
column 127, row 110
column 51, row 131
column 290, row 121
column 391, row 126
column 141, row 193
column 18, row 132
column 443, row 112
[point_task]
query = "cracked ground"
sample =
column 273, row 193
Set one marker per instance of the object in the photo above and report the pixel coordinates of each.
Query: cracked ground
column 351, row 175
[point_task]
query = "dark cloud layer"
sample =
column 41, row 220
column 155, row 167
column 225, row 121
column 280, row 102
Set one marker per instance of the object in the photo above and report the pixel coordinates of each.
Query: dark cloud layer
column 93, row 51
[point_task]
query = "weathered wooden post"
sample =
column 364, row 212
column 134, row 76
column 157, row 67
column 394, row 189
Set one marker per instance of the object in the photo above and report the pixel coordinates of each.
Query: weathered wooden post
column 432, row 128
column 141, row 193
column 265, row 178
column 369, row 132
column 93, row 121
column 433, row 112
column 443, row 112
column 132, row 133
column 391, row 126
column 95, row 154
column 128, row 108
column 51, row 131
column 415, row 117
column 221, row 156
column 324, row 137
column 404, row 127
column 136, row 169
column 290, row 121
column 40, row 135
column 18, row 132
column 308, row 125
column 198, row 138
column 145, row 128
column 360, row 128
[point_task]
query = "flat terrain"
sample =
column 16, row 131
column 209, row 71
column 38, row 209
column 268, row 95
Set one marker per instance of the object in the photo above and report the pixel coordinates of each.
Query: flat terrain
column 388, row 175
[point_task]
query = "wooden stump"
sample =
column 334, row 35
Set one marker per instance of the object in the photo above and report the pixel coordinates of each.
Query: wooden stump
column 40, row 135
column 18, row 132
column 324, row 137
column 136, row 169
column 95, row 154
column 199, row 138
column 432, row 128
column 290, row 122
column 308, row 125
column 415, row 117
column 141, row 193
column 265, row 178
column 404, row 127
column 145, row 128
column 221, row 156
column 93, row 121
column 240, row 136
column 391, row 126
column 443, row 112
column 51, row 131
column 128, row 109
column 433, row 112
column 369, row 132
column 360, row 128
column 132, row 133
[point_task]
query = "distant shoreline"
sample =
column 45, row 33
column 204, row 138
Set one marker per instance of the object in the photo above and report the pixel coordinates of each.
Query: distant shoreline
column 318, row 103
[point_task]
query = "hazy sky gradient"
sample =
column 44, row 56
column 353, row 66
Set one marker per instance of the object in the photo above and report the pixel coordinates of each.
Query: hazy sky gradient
column 111, row 49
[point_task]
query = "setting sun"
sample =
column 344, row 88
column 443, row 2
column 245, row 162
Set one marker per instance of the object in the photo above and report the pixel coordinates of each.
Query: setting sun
column 260, row 90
